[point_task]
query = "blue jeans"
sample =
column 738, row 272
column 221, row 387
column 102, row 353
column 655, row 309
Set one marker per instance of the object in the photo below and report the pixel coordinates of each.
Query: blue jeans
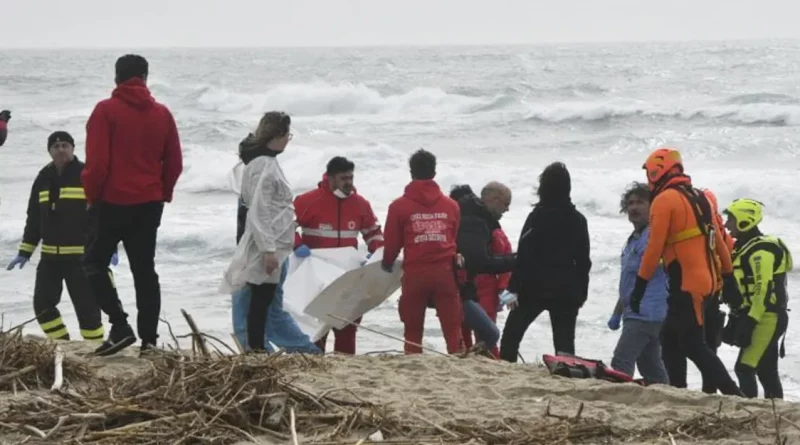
column 281, row 328
column 476, row 319
column 640, row 346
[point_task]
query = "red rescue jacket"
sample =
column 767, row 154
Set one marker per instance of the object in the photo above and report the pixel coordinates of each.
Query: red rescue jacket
column 3, row 132
column 424, row 223
column 726, row 236
column 133, row 153
column 489, row 286
column 329, row 221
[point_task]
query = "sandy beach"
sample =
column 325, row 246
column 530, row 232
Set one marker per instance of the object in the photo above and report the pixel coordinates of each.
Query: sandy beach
column 334, row 399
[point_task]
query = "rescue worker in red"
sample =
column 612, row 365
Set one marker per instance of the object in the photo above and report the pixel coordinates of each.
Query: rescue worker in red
column 497, row 198
column 334, row 215
column 714, row 318
column 424, row 223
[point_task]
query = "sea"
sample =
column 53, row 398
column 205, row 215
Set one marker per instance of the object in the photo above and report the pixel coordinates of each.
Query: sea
column 488, row 113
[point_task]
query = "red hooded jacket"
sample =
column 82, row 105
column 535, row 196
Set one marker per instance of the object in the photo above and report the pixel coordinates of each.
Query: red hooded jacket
column 328, row 221
column 133, row 153
column 3, row 132
column 489, row 286
column 424, row 223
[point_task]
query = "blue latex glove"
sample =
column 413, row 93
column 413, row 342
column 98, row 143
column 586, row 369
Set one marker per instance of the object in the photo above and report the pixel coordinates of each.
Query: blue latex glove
column 507, row 298
column 369, row 255
column 614, row 321
column 387, row 267
column 115, row 259
column 302, row 251
column 21, row 260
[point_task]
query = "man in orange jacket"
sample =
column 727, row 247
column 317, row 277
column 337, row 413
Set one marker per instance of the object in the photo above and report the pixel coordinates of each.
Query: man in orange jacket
column 685, row 235
column 334, row 215
column 424, row 224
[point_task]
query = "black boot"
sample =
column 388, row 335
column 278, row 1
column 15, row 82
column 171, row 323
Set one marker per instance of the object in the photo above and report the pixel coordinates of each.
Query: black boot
column 120, row 337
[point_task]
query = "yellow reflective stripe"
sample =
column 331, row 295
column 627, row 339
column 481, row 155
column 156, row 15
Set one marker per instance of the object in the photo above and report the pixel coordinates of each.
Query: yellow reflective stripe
column 70, row 250
column 72, row 193
column 93, row 334
column 25, row 247
column 683, row 235
column 55, row 335
column 62, row 250
column 111, row 277
column 44, row 196
column 52, row 324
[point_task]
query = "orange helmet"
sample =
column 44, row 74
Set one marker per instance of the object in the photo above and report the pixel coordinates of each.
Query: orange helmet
column 660, row 163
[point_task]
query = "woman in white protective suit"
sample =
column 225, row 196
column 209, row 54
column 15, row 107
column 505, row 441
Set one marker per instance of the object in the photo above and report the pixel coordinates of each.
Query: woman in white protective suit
column 269, row 227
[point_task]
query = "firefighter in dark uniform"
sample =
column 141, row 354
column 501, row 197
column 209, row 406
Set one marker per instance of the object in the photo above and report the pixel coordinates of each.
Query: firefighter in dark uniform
column 57, row 217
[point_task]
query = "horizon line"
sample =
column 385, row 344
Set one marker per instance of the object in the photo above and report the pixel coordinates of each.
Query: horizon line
column 406, row 45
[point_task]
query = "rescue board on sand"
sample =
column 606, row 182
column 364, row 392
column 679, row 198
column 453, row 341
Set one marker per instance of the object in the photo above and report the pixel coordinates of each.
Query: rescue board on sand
column 576, row 367
column 333, row 282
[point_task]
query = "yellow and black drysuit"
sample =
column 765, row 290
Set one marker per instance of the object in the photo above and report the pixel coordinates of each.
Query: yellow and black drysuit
column 57, row 216
column 758, row 310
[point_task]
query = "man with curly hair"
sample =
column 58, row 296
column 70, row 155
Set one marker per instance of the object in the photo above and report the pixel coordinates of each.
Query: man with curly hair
column 639, row 345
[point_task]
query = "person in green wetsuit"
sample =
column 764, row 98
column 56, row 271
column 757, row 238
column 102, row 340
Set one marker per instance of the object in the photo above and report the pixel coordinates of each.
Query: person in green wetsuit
column 758, row 299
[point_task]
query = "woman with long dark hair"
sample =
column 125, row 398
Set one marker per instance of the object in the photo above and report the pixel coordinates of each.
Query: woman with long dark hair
column 552, row 268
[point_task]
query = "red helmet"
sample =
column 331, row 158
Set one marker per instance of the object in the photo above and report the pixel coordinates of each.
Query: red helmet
column 661, row 163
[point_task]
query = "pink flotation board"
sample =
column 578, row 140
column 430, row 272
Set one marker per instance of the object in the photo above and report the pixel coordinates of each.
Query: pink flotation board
column 582, row 368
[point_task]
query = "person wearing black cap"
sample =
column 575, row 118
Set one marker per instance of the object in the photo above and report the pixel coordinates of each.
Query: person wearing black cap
column 133, row 161
column 57, row 218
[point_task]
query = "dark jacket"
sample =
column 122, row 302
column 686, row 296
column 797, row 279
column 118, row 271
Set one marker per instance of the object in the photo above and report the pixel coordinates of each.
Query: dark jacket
column 249, row 149
column 553, row 255
column 57, row 215
column 474, row 243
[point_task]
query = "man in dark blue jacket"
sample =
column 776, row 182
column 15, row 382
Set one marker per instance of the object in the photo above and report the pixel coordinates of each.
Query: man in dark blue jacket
column 639, row 345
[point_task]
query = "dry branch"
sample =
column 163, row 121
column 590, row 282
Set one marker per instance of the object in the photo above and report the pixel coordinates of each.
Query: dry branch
column 209, row 399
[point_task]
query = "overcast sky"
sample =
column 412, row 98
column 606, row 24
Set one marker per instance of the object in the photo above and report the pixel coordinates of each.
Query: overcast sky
column 215, row 23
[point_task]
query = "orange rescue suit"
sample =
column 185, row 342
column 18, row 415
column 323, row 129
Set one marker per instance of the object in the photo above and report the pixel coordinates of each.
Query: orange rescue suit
column 676, row 236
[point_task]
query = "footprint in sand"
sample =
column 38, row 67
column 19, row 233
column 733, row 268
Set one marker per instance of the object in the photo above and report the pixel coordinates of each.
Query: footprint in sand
column 412, row 366
column 518, row 392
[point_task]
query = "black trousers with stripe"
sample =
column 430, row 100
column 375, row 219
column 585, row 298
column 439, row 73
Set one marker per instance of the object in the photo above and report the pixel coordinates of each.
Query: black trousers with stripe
column 51, row 274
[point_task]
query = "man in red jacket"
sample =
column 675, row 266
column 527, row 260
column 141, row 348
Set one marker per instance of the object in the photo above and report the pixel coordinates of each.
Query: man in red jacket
column 133, row 160
column 424, row 223
column 497, row 198
column 334, row 215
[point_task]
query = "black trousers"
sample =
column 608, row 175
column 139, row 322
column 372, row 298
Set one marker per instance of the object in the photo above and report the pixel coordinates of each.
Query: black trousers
column 261, row 296
column 682, row 337
column 562, row 318
column 136, row 227
column 767, row 368
column 51, row 273
column 713, row 323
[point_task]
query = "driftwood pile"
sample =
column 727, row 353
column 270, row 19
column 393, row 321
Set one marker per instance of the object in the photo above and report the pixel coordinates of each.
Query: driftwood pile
column 216, row 399
column 26, row 364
